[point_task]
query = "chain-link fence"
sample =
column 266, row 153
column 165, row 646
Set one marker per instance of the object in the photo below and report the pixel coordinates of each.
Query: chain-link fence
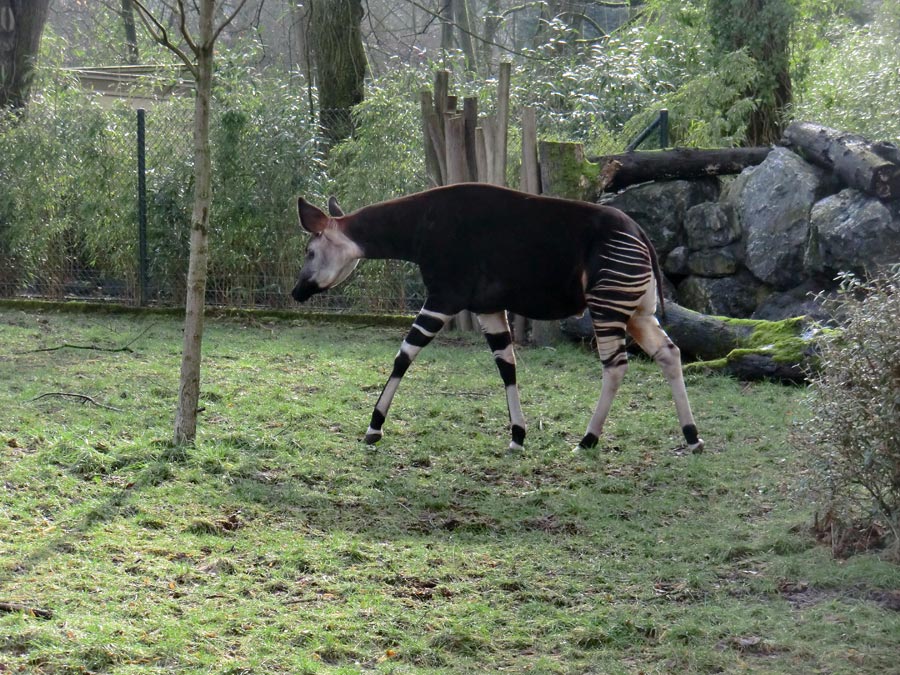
column 72, row 225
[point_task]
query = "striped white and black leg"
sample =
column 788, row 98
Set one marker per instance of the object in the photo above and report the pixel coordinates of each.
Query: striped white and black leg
column 646, row 331
column 426, row 325
column 611, row 347
column 499, row 339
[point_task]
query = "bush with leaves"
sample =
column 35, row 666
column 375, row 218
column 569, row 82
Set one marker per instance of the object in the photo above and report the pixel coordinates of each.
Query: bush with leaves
column 851, row 438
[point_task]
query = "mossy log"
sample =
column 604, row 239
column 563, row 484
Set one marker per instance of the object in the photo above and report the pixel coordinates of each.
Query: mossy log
column 749, row 349
column 745, row 348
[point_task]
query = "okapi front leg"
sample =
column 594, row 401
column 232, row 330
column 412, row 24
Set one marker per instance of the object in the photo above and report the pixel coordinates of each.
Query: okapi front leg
column 496, row 330
column 426, row 325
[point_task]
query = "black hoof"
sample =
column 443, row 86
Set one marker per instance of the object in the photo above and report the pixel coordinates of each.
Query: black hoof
column 373, row 438
column 589, row 441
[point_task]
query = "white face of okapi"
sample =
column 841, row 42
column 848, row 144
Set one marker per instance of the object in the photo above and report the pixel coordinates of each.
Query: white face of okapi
column 330, row 258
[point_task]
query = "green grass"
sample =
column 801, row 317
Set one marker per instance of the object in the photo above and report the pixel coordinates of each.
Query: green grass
column 281, row 544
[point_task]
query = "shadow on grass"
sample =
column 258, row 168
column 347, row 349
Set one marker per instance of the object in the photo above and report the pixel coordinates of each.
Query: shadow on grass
column 120, row 502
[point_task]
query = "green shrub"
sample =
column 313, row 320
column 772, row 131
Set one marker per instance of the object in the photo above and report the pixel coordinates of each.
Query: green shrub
column 851, row 438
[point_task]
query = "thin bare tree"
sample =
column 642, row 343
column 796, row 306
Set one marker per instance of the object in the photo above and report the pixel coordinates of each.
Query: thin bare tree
column 197, row 54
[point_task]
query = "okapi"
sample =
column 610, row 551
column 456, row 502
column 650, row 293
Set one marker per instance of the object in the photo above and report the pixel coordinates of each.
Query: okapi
column 490, row 250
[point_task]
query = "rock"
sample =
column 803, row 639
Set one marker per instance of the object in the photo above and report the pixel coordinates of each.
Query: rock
column 707, row 225
column 798, row 301
column 660, row 207
column 676, row 263
column 715, row 262
column 852, row 232
column 736, row 295
column 772, row 203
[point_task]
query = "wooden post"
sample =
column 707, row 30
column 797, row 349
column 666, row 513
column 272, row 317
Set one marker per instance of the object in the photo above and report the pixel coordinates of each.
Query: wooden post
column 502, row 123
column 543, row 333
column 432, row 164
column 470, row 114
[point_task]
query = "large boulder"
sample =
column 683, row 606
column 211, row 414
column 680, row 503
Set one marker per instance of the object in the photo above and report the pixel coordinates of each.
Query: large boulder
column 772, row 203
column 736, row 295
column 852, row 232
column 798, row 301
column 660, row 207
column 715, row 262
column 708, row 226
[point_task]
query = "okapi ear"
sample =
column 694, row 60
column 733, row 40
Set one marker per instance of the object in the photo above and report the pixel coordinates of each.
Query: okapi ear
column 312, row 219
column 334, row 209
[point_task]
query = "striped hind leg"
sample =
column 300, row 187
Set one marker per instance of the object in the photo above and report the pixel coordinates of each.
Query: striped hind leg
column 609, row 332
column 647, row 332
column 496, row 330
column 427, row 324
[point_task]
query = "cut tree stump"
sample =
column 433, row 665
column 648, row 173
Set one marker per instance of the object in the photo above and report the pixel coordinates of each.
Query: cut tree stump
column 855, row 161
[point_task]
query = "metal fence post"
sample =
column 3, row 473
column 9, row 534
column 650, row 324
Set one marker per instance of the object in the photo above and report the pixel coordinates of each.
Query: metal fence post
column 142, row 210
column 663, row 129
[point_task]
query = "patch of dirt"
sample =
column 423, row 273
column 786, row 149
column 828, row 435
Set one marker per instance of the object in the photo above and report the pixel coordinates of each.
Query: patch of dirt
column 801, row 595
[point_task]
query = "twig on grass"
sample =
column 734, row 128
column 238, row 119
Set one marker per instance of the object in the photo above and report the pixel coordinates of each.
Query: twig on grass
column 67, row 345
column 33, row 611
column 83, row 398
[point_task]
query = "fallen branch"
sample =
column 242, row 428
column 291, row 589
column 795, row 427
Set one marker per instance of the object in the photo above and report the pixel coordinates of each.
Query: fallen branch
column 81, row 397
column 124, row 348
column 40, row 613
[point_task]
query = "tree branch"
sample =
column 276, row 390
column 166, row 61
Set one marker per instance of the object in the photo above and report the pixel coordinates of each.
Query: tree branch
column 33, row 611
column 160, row 35
column 81, row 397
column 227, row 21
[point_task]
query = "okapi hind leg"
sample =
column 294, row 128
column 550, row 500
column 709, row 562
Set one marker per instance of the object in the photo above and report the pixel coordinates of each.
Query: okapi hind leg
column 426, row 325
column 647, row 332
column 611, row 348
column 499, row 339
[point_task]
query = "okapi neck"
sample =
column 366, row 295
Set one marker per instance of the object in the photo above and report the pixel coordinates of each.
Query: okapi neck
column 387, row 230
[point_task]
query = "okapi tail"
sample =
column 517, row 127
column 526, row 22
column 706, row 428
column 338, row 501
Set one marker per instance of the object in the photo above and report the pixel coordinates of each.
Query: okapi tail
column 654, row 263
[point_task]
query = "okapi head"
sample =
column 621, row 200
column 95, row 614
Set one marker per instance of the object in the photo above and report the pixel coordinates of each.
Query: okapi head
column 331, row 256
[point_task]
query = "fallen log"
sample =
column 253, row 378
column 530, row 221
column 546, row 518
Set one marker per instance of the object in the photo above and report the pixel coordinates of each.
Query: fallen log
column 748, row 349
column 566, row 173
column 855, row 161
column 621, row 170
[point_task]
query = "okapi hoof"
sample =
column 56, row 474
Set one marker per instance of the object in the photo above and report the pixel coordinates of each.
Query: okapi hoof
column 589, row 441
column 373, row 436
column 518, row 438
column 696, row 448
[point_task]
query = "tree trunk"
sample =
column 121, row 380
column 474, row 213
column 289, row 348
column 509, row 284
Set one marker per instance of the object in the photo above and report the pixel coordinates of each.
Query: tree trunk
column 492, row 21
column 464, row 31
column 854, row 160
column 21, row 26
column 189, row 386
column 340, row 63
column 131, row 46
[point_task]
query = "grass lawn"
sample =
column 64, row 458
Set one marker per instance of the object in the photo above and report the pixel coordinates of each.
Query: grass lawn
column 281, row 544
